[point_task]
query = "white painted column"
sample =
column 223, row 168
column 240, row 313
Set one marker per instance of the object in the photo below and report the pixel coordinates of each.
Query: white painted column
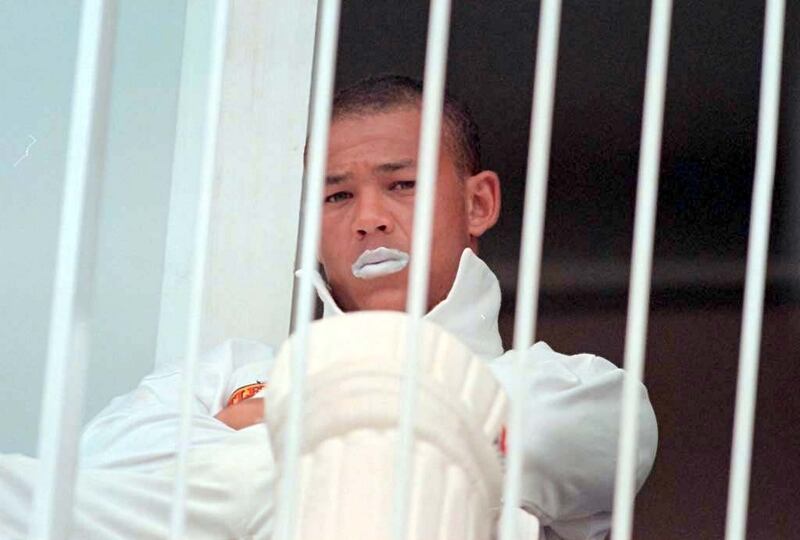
column 257, row 184
column 70, row 316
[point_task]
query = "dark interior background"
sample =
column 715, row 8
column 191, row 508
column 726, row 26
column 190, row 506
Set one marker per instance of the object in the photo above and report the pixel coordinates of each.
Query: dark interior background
column 706, row 179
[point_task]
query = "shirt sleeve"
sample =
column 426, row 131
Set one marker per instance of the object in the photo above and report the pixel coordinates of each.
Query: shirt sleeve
column 138, row 431
column 231, row 487
column 571, row 429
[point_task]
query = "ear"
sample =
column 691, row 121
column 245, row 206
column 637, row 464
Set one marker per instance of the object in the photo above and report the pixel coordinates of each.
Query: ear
column 482, row 193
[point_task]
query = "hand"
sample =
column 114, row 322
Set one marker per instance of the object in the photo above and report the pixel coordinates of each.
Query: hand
column 242, row 414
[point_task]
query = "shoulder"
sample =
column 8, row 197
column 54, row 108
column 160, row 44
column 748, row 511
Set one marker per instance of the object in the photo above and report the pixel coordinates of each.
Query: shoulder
column 541, row 358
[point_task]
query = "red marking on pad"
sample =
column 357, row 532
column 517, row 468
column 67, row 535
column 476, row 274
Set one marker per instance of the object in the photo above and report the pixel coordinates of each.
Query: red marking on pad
column 500, row 442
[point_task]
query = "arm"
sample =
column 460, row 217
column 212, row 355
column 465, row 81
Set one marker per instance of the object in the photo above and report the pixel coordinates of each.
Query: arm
column 138, row 431
column 243, row 414
column 231, row 487
column 571, row 411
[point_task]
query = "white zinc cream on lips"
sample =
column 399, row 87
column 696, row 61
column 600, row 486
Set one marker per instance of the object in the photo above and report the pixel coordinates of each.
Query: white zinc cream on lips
column 382, row 261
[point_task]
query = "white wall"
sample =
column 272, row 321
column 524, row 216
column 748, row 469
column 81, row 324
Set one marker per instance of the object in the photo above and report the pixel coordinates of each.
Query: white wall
column 37, row 52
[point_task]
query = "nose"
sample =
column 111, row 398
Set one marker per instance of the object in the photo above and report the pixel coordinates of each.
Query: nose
column 371, row 216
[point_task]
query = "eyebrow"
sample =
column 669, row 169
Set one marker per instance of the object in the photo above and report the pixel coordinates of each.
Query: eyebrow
column 334, row 179
column 393, row 166
column 383, row 168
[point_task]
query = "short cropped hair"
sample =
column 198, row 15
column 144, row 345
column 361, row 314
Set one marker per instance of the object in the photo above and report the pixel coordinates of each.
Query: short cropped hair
column 386, row 93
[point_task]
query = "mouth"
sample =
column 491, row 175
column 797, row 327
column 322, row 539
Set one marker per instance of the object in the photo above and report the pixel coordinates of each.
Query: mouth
column 382, row 261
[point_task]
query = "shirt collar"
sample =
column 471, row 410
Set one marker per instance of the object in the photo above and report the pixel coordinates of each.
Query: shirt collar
column 469, row 311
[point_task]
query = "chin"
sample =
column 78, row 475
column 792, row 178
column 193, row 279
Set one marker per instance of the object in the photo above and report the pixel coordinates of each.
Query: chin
column 384, row 300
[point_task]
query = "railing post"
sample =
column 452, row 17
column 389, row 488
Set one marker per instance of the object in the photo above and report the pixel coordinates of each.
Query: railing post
column 641, row 266
column 755, row 280
column 418, row 275
column 319, row 130
column 531, row 247
column 208, row 162
column 70, row 317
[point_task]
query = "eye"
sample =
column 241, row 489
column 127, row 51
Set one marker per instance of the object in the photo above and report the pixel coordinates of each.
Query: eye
column 403, row 185
column 338, row 197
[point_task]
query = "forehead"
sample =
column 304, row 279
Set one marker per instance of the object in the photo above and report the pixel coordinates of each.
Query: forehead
column 372, row 137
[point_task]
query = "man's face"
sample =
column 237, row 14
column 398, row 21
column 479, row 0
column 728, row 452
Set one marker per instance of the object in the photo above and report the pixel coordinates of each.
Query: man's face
column 369, row 203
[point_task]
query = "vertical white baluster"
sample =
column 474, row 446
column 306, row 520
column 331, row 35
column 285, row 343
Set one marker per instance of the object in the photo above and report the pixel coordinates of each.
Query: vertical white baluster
column 531, row 246
column 63, row 389
column 757, row 251
column 321, row 104
column 207, row 170
column 418, row 279
column 641, row 265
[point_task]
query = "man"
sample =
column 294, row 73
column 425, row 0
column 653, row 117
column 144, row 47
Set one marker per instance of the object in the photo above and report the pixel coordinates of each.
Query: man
column 572, row 402
column 572, row 408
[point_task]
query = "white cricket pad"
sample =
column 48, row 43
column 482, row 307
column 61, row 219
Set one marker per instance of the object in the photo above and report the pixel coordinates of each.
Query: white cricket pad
column 351, row 424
